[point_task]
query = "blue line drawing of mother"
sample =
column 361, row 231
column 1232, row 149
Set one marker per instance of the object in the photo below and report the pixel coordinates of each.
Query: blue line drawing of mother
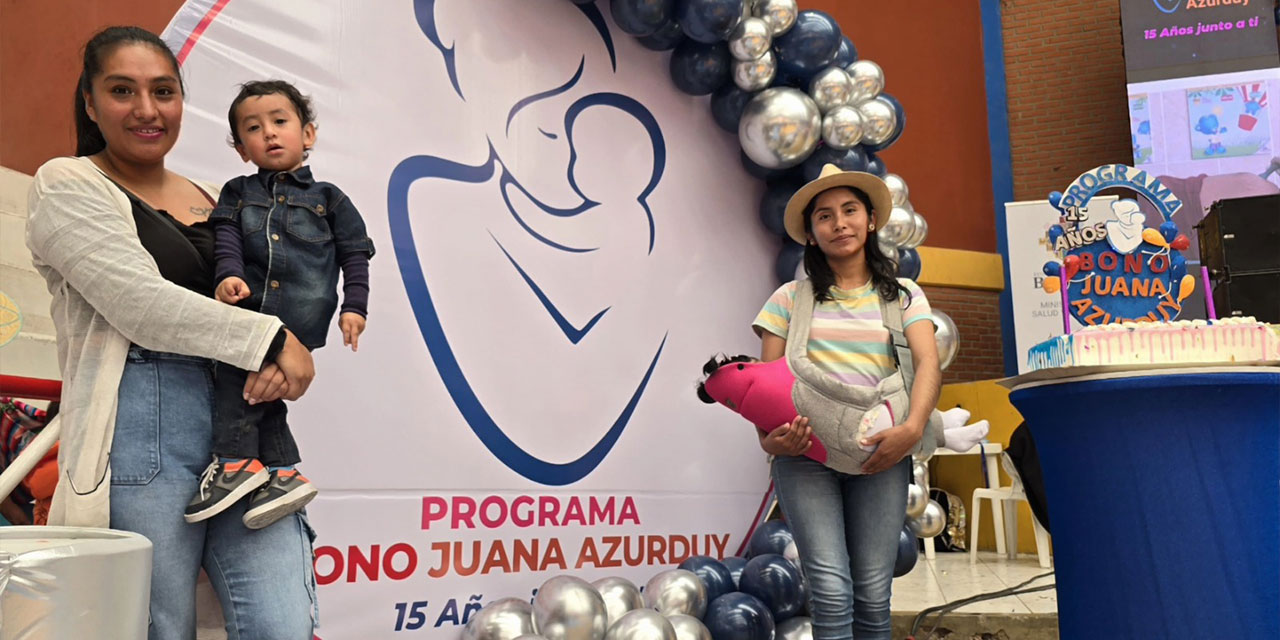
column 560, row 198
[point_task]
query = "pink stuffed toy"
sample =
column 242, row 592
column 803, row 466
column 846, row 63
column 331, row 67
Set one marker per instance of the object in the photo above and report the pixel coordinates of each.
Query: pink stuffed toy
column 761, row 393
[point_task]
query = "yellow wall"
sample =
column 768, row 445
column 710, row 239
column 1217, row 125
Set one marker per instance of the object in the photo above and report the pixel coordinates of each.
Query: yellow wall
column 960, row 475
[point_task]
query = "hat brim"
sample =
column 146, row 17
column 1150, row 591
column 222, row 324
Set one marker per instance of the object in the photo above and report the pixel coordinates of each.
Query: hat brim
column 872, row 185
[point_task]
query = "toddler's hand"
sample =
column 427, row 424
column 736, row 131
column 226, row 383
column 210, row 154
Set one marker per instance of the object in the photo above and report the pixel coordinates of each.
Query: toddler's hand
column 232, row 290
column 352, row 325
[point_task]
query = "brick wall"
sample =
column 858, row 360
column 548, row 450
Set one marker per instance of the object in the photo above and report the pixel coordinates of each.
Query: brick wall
column 1068, row 105
column 977, row 318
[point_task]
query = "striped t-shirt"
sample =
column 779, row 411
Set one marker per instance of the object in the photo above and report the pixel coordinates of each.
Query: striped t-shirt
column 847, row 338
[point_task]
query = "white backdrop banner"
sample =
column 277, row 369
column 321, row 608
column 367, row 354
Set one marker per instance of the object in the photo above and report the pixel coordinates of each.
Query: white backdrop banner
column 563, row 239
column 1037, row 316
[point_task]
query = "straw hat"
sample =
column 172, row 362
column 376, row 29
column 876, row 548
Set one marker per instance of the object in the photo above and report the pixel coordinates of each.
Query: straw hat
column 833, row 176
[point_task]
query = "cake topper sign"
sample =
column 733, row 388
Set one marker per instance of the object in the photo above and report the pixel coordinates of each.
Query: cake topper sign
column 1116, row 267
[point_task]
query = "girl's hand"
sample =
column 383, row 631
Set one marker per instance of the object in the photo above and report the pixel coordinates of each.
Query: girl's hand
column 791, row 439
column 893, row 444
column 352, row 325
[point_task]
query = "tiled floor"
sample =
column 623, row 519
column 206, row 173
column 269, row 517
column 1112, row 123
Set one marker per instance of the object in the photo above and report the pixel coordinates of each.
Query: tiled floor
column 949, row 577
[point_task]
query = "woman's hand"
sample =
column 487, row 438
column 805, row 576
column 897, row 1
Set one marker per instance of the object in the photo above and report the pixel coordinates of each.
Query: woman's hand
column 298, row 367
column 791, row 439
column 267, row 385
column 892, row 445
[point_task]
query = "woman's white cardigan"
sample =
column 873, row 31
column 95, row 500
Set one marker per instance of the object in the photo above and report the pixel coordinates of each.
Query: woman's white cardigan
column 108, row 293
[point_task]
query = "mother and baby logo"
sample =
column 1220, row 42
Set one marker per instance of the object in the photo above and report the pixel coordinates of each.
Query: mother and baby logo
column 577, row 208
column 1117, row 268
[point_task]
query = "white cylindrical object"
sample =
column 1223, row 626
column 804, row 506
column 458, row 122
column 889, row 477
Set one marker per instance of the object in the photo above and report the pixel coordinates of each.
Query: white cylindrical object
column 73, row 582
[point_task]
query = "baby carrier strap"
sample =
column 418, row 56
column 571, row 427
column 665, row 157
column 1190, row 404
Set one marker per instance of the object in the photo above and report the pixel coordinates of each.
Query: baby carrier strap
column 891, row 313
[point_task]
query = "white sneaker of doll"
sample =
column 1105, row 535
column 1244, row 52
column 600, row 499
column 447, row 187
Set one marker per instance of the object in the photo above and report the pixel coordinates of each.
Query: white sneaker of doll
column 1006, row 530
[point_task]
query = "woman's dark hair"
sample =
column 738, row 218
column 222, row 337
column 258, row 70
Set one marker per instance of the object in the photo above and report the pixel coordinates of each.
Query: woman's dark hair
column 257, row 88
column 711, row 367
column 883, row 270
column 89, row 138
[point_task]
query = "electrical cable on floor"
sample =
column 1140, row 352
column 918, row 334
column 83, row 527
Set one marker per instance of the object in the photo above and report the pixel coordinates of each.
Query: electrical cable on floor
column 943, row 610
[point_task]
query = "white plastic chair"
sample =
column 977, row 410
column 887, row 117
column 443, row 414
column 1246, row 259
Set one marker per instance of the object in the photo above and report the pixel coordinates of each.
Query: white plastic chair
column 999, row 497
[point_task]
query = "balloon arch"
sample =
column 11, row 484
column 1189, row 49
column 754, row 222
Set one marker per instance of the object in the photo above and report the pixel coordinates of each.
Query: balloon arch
column 791, row 86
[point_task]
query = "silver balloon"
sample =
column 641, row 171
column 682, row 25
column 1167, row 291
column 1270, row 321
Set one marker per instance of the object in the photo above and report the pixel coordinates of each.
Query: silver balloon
column 897, row 188
column 780, row 15
column 780, row 127
column 792, row 553
column 917, row 500
column 830, row 88
column 920, row 232
column 641, row 624
column 888, row 250
column 529, row 637
column 897, row 229
column 797, row 628
column 688, row 627
column 620, row 596
column 503, row 619
column 948, row 338
column 676, row 591
column 842, row 127
column 930, row 523
column 868, row 80
column 568, row 608
column 878, row 121
column 750, row 39
column 920, row 473
column 753, row 75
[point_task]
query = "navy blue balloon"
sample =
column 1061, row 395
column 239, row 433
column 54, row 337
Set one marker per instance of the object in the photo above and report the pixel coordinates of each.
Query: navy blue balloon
column 1055, row 197
column 907, row 553
column 1052, row 269
column 708, row 21
column 765, row 173
column 583, row 1
column 789, row 259
column 783, row 80
column 847, row 54
column 738, row 616
column 664, row 39
column 809, row 46
column 734, row 564
column 773, row 204
column 1055, row 232
column 898, row 128
column 851, row 159
column 772, row 536
column 908, row 264
column 727, row 105
column 875, row 164
column 1169, row 230
column 641, row 17
column 713, row 574
column 776, row 582
column 699, row 69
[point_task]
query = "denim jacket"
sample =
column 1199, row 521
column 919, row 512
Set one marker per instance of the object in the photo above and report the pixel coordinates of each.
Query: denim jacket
column 294, row 232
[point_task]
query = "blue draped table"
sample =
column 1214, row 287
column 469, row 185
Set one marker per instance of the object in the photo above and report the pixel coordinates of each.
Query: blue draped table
column 1164, row 500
